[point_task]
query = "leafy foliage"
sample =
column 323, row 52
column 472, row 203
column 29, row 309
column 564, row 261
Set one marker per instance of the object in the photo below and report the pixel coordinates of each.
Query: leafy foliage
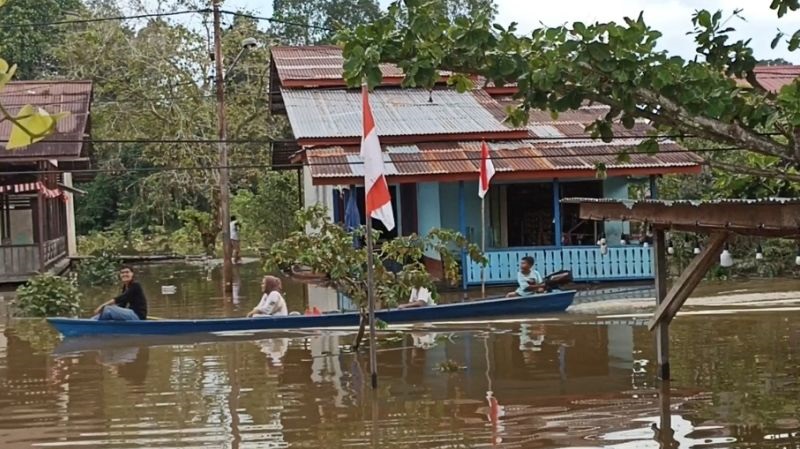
column 715, row 96
column 151, row 240
column 98, row 270
column 266, row 211
column 329, row 249
column 48, row 295
column 309, row 22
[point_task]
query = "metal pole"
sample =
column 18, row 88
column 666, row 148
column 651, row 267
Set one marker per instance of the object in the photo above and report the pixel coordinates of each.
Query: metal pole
column 373, row 356
column 483, row 245
column 224, row 192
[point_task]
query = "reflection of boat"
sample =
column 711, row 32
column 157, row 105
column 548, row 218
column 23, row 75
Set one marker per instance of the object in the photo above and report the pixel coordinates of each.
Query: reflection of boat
column 490, row 308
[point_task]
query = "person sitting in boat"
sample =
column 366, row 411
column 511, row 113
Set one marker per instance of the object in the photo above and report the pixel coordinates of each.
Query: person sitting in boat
column 272, row 302
column 529, row 280
column 130, row 305
column 420, row 297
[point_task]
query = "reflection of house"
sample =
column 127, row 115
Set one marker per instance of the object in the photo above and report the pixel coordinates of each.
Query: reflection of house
column 432, row 143
column 37, row 221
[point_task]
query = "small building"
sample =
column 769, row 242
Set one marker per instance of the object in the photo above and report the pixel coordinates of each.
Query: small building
column 37, row 209
column 432, row 150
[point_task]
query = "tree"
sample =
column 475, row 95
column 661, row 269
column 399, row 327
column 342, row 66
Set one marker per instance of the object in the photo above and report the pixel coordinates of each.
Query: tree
column 30, row 125
column 310, row 22
column 28, row 45
column 171, row 99
column 716, row 97
column 328, row 249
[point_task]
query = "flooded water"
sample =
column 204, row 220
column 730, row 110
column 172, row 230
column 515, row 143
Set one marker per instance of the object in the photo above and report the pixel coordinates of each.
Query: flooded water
column 563, row 381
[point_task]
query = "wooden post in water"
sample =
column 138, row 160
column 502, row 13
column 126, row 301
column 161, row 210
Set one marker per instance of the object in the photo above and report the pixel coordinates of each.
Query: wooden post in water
column 662, row 330
column 373, row 356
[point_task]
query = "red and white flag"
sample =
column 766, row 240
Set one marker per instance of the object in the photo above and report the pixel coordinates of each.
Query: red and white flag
column 378, row 199
column 487, row 170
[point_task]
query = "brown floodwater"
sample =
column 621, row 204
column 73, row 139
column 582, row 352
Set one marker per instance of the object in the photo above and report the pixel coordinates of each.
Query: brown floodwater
column 560, row 381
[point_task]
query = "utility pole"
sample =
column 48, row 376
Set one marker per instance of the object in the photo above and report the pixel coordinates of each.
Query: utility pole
column 224, row 187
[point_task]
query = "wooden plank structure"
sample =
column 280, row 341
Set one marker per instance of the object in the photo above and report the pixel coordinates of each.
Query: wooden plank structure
column 772, row 217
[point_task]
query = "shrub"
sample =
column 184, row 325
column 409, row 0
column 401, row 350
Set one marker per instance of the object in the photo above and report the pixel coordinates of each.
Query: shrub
column 99, row 270
column 48, row 295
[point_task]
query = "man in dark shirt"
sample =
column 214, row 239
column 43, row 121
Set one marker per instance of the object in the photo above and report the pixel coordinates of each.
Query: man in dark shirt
column 131, row 305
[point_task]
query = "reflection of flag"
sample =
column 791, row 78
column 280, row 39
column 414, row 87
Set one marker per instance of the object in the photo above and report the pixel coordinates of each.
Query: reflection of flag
column 378, row 200
column 487, row 170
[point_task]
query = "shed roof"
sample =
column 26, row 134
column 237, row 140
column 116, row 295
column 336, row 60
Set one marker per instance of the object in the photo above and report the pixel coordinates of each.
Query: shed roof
column 54, row 96
column 769, row 217
column 521, row 159
column 336, row 114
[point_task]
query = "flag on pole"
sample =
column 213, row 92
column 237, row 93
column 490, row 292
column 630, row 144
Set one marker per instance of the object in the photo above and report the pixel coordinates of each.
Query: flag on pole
column 487, row 170
column 378, row 199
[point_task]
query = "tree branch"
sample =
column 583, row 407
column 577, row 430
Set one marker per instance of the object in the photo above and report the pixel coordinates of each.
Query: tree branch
column 718, row 130
column 752, row 171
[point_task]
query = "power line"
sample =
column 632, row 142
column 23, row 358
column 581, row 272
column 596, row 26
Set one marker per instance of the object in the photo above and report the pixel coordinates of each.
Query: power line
column 103, row 19
column 163, row 14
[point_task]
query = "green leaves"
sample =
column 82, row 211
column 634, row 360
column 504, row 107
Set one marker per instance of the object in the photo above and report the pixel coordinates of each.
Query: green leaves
column 48, row 295
column 6, row 72
column 31, row 125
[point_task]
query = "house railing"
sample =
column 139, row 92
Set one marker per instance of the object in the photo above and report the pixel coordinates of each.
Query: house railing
column 16, row 260
column 54, row 250
column 620, row 263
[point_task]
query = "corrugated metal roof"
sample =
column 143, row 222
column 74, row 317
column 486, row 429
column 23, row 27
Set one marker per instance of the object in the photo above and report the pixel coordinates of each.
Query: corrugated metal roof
column 773, row 78
column 510, row 156
column 667, row 203
column 316, row 114
column 302, row 66
column 53, row 96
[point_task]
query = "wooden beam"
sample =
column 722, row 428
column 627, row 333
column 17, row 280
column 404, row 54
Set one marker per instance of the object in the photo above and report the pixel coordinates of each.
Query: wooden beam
column 764, row 219
column 689, row 279
column 662, row 329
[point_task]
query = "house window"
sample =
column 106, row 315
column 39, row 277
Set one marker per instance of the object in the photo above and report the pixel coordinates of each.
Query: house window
column 340, row 205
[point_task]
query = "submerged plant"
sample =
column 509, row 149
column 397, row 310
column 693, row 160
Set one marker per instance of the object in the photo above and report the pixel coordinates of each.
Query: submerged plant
column 98, row 270
column 48, row 295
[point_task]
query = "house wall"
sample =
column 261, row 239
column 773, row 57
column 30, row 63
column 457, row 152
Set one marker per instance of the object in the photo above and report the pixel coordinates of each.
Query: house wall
column 429, row 215
column 316, row 194
column 616, row 188
column 449, row 201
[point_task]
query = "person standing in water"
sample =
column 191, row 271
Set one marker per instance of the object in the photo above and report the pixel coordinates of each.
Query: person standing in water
column 236, row 249
column 272, row 302
column 130, row 305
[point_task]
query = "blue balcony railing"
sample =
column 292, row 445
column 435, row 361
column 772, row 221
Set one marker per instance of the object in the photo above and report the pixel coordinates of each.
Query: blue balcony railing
column 621, row 263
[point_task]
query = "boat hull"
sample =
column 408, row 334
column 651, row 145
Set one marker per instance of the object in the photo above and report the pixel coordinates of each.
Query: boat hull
column 489, row 308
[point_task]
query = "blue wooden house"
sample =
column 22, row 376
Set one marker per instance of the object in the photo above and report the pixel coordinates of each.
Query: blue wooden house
column 432, row 149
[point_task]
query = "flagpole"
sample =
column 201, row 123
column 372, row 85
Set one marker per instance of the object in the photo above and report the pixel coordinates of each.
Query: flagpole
column 373, row 356
column 483, row 244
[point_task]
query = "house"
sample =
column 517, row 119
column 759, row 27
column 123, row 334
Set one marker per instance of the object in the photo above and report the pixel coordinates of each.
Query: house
column 432, row 149
column 37, row 210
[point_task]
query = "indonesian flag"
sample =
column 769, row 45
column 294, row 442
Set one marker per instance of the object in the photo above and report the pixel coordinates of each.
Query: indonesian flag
column 378, row 199
column 487, row 170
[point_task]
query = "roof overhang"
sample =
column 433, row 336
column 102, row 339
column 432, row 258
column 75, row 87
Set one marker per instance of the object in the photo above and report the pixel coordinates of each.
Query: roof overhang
column 773, row 217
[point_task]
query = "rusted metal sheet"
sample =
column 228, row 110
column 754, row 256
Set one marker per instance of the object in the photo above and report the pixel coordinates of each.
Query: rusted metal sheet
column 773, row 78
column 776, row 217
column 53, row 96
column 320, row 114
column 316, row 66
column 513, row 156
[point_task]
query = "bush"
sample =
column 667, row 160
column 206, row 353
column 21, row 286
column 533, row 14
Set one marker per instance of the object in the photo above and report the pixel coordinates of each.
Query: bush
column 48, row 295
column 99, row 270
